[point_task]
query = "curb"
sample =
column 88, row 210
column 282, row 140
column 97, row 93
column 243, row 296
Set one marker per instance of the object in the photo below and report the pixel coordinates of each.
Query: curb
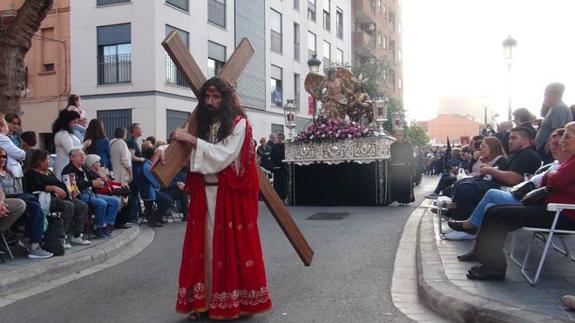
column 57, row 267
column 448, row 300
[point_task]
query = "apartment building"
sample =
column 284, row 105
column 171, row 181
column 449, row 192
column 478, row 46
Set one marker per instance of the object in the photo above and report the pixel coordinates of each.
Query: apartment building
column 124, row 75
column 377, row 33
column 47, row 69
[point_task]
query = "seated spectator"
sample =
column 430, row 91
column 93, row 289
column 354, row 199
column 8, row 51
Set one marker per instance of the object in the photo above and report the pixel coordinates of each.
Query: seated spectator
column 498, row 197
column 72, row 210
column 105, row 207
column 34, row 217
column 177, row 191
column 10, row 210
column 523, row 160
column 15, row 154
column 499, row 220
column 149, row 190
column 490, row 154
column 100, row 143
column 29, row 140
column 14, row 123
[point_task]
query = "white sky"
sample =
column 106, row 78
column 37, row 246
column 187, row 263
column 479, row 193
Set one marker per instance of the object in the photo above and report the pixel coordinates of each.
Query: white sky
column 453, row 47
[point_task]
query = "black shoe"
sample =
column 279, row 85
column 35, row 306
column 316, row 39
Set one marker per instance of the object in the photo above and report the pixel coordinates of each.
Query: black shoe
column 484, row 273
column 122, row 226
column 458, row 226
column 470, row 256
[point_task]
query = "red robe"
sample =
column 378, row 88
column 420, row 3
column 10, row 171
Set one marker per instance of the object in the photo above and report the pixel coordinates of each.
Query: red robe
column 238, row 276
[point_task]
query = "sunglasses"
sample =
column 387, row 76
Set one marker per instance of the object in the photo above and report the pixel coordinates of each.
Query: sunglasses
column 3, row 156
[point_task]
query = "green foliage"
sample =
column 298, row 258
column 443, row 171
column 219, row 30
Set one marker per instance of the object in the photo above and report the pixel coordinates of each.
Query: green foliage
column 417, row 134
column 372, row 71
column 393, row 105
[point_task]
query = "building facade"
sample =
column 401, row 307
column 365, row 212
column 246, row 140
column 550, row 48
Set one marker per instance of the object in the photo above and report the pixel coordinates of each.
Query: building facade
column 124, row 75
column 377, row 34
column 48, row 69
column 457, row 128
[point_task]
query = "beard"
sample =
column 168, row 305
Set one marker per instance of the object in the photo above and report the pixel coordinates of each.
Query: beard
column 211, row 111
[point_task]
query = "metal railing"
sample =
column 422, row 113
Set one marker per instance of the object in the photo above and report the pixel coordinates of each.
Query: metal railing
column 173, row 75
column 276, row 41
column 115, row 69
column 182, row 4
column 217, row 12
column 107, row 2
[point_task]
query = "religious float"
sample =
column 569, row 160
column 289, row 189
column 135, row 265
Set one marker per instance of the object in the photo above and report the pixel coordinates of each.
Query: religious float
column 341, row 157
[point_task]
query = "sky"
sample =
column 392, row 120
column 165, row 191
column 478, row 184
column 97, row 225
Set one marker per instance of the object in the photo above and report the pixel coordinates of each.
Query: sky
column 454, row 47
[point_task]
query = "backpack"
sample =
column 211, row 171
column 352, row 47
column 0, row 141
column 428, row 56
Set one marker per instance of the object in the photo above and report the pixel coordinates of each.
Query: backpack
column 54, row 236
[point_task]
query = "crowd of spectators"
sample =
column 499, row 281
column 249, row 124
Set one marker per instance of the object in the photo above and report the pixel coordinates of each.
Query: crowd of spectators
column 91, row 186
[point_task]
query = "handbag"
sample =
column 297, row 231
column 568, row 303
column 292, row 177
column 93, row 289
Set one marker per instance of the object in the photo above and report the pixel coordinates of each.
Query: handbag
column 536, row 196
column 520, row 190
column 121, row 191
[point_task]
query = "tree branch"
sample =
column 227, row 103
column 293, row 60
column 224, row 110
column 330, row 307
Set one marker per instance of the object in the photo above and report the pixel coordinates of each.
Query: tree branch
column 27, row 23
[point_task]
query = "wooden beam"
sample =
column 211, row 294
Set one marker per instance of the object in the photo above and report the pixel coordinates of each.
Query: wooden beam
column 184, row 61
column 285, row 221
column 238, row 61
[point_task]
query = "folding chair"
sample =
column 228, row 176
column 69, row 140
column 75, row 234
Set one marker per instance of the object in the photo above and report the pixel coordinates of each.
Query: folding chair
column 443, row 202
column 551, row 233
column 148, row 209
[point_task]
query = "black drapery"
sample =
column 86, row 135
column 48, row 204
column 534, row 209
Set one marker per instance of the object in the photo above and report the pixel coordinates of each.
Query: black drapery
column 401, row 172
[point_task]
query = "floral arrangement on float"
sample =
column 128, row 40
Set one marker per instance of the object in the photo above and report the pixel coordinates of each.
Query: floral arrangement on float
column 326, row 129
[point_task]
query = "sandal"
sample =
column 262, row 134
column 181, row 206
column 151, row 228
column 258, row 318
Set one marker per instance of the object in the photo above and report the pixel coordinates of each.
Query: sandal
column 196, row 316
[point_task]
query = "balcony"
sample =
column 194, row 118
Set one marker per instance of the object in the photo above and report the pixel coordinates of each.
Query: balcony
column 363, row 43
column 364, row 11
column 217, row 13
column 109, row 2
column 173, row 75
column 115, row 69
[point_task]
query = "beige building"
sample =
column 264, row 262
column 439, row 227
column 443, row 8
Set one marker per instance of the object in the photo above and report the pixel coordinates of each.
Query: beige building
column 48, row 69
column 377, row 32
column 473, row 108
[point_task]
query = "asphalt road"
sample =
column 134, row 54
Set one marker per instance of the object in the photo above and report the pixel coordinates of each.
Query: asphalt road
column 349, row 280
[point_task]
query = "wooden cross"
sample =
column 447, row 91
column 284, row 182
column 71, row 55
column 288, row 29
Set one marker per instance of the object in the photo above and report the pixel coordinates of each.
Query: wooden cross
column 178, row 153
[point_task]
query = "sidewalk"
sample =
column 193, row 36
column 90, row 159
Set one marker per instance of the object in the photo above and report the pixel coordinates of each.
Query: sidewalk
column 22, row 273
column 443, row 286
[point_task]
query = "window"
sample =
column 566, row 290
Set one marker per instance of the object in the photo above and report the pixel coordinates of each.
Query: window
column 217, row 12
column 399, row 83
column 181, row 4
column 296, row 4
column 392, row 50
column 48, row 49
column 326, row 54
column 276, row 86
column 391, row 19
column 379, row 39
column 296, row 41
column 339, row 23
column 113, row 119
column 399, row 28
column 175, row 119
column 326, row 15
column 216, row 58
column 276, row 32
column 384, row 44
column 339, row 57
column 114, row 54
column 399, row 56
column 277, row 128
column 107, row 2
column 296, row 88
column 392, row 79
column 311, row 9
column 311, row 44
column 173, row 75
column 379, row 6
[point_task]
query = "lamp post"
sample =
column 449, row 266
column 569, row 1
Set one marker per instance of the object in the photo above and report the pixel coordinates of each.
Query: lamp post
column 313, row 63
column 508, row 45
column 289, row 113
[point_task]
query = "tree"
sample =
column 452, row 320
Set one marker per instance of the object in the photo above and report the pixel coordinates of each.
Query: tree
column 417, row 134
column 372, row 69
column 15, row 42
column 393, row 105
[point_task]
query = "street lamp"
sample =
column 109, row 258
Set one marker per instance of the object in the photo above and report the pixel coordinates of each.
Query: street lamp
column 289, row 113
column 313, row 63
column 508, row 45
column 380, row 113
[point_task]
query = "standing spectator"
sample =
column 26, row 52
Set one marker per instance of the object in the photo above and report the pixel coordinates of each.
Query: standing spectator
column 65, row 140
column 100, row 144
column 121, row 158
column 73, row 211
column 74, row 105
column 523, row 118
column 272, row 140
column 29, row 141
column 558, row 115
column 105, row 207
column 15, row 154
column 502, row 134
column 14, row 124
column 401, row 170
column 277, row 155
column 263, row 153
column 151, row 140
column 137, row 163
column 150, row 191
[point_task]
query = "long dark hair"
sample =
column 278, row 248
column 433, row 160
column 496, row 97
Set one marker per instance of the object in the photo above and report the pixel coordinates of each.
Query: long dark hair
column 37, row 156
column 95, row 130
column 72, row 100
column 63, row 120
column 229, row 109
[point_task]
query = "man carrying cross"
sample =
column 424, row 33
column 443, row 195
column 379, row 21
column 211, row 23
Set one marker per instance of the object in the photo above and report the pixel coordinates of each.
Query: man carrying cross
column 222, row 270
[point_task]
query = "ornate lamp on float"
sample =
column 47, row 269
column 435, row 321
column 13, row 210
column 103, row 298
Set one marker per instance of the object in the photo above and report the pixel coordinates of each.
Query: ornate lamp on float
column 380, row 113
column 290, row 110
column 313, row 64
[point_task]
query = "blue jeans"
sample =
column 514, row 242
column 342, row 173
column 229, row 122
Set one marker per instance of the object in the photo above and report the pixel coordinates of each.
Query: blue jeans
column 491, row 198
column 105, row 208
column 34, row 221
